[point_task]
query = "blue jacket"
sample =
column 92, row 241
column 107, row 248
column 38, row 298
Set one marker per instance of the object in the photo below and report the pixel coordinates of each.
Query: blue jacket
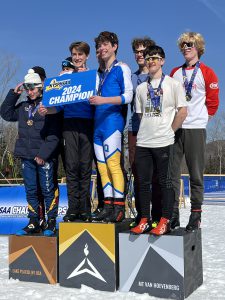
column 41, row 139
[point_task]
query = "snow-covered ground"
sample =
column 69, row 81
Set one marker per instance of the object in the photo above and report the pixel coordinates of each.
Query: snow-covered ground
column 213, row 288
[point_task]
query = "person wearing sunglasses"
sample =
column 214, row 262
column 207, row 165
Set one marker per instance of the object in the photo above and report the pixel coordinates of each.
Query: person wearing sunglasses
column 36, row 146
column 161, row 106
column 200, row 84
column 141, row 75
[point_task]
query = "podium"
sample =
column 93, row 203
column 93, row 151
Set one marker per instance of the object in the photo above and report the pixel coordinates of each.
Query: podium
column 88, row 254
column 169, row 266
column 33, row 258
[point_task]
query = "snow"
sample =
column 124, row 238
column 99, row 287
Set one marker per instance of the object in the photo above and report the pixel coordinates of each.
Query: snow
column 213, row 254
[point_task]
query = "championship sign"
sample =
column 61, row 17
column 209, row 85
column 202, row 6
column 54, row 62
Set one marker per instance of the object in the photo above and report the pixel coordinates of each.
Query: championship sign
column 69, row 88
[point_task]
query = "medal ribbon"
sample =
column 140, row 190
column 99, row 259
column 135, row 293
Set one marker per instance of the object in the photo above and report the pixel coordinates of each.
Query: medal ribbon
column 188, row 85
column 104, row 75
column 32, row 111
column 155, row 100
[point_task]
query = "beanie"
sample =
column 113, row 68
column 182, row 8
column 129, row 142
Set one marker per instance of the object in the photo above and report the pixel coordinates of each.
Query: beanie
column 33, row 77
column 40, row 71
column 68, row 63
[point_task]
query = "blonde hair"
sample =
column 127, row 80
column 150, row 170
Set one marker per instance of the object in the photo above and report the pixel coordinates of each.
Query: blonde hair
column 194, row 37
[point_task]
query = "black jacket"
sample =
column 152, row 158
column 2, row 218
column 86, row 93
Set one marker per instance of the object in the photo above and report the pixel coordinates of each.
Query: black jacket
column 41, row 139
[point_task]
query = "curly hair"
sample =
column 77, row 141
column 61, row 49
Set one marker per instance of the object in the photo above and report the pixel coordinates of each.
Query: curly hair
column 145, row 41
column 194, row 37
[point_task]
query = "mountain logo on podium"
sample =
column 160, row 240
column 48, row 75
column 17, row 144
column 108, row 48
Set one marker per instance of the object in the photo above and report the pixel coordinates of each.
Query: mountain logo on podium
column 86, row 267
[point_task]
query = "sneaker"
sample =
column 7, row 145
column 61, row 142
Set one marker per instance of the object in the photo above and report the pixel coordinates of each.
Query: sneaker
column 118, row 215
column 51, row 227
column 32, row 227
column 71, row 217
column 194, row 220
column 162, row 228
column 175, row 220
column 142, row 227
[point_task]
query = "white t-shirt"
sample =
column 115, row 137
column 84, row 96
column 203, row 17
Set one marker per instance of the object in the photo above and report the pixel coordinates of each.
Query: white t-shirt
column 155, row 129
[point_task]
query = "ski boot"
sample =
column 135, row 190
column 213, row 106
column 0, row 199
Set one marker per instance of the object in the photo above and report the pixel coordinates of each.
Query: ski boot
column 106, row 212
column 162, row 228
column 118, row 215
column 51, row 227
column 175, row 220
column 194, row 220
column 32, row 227
column 142, row 227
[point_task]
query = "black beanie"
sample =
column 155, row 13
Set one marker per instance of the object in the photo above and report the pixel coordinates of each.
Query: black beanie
column 40, row 71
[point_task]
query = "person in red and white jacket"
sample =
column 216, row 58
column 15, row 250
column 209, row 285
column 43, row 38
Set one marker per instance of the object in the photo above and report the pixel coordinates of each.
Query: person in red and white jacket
column 202, row 94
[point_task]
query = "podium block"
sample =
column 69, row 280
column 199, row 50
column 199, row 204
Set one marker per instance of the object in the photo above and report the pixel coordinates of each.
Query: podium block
column 169, row 266
column 88, row 254
column 33, row 258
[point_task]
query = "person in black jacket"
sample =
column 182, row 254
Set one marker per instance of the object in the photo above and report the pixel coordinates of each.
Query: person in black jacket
column 36, row 145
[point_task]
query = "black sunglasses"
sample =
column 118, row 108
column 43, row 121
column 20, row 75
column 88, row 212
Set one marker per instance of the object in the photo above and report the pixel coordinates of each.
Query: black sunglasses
column 187, row 44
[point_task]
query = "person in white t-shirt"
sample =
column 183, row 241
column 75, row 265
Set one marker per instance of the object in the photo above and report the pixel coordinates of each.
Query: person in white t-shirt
column 202, row 94
column 161, row 105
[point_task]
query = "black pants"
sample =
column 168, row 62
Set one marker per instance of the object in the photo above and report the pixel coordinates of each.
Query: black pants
column 146, row 160
column 156, row 192
column 190, row 143
column 78, row 139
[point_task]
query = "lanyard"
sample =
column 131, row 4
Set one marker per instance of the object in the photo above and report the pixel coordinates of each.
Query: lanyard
column 104, row 75
column 31, row 112
column 188, row 85
column 155, row 95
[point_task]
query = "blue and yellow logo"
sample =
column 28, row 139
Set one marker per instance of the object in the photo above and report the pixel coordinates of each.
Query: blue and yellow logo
column 57, row 85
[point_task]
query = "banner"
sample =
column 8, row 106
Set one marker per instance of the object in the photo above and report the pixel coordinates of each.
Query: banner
column 13, row 208
column 69, row 88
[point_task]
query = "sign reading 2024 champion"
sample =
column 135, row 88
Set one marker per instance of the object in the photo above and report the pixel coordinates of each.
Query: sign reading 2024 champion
column 69, row 88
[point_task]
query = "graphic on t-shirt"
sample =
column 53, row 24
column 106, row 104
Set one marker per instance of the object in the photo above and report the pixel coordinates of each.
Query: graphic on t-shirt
column 153, row 107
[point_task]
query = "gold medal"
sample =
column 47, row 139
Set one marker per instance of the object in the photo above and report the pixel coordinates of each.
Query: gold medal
column 30, row 122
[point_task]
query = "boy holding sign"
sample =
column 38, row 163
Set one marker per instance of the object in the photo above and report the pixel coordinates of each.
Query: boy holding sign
column 78, row 142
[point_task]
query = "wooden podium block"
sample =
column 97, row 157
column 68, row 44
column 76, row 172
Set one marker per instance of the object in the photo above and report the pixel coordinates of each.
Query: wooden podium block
column 88, row 254
column 169, row 266
column 33, row 258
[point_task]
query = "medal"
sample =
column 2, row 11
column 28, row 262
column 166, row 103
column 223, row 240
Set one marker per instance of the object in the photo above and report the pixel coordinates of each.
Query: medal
column 188, row 85
column 30, row 122
column 188, row 97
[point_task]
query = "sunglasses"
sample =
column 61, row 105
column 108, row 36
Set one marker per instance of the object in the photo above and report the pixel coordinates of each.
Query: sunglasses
column 139, row 51
column 30, row 86
column 152, row 58
column 187, row 45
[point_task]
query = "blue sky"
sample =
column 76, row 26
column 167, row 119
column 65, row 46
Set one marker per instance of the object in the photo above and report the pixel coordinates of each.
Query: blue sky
column 39, row 32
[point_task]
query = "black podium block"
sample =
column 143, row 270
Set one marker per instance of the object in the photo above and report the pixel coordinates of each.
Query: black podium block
column 88, row 254
column 169, row 266
column 33, row 258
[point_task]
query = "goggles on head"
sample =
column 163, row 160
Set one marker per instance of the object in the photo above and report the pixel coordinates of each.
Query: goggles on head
column 68, row 64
